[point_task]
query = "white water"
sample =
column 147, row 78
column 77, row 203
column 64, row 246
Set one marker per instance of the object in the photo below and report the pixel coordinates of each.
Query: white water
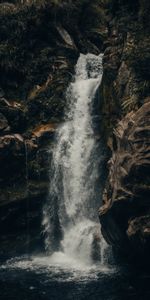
column 70, row 220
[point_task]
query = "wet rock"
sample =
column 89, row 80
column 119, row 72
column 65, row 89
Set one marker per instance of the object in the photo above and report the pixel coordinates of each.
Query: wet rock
column 12, row 153
column 20, row 218
column 14, row 142
column 3, row 124
column 65, row 36
column 96, row 253
column 139, row 234
column 126, row 66
column 127, row 194
column 14, row 113
column 44, row 133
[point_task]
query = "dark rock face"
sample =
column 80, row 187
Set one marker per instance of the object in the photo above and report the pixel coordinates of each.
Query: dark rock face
column 125, row 212
column 11, row 154
column 126, row 61
column 20, row 219
column 3, row 123
column 125, row 92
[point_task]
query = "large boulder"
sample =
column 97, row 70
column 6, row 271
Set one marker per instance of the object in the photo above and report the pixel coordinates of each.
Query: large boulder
column 125, row 213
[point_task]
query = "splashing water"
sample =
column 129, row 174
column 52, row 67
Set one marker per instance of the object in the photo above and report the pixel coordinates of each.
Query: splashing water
column 70, row 221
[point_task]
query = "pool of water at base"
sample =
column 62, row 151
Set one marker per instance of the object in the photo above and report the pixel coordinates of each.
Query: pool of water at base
column 39, row 279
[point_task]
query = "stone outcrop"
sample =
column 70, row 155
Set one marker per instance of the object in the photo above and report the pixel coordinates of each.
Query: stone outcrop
column 125, row 213
column 125, row 85
column 125, row 96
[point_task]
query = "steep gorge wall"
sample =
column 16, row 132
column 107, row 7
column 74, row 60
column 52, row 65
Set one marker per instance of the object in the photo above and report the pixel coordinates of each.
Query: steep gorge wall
column 125, row 91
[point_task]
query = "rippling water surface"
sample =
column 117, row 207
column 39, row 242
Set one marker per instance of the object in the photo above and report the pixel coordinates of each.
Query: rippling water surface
column 43, row 278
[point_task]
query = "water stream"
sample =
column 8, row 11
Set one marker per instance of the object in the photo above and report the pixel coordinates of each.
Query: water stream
column 70, row 220
column 75, row 265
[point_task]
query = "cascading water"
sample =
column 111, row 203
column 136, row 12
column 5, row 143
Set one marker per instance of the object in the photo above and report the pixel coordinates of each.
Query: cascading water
column 70, row 218
column 71, row 228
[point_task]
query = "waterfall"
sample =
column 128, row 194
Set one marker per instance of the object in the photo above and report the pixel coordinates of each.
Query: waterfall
column 70, row 220
column 27, row 198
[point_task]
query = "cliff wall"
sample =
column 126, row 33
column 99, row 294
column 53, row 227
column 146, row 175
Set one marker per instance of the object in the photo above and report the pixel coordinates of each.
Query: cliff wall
column 125, row 212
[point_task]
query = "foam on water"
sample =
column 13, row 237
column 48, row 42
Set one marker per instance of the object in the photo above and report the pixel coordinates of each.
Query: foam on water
column 58, row 267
